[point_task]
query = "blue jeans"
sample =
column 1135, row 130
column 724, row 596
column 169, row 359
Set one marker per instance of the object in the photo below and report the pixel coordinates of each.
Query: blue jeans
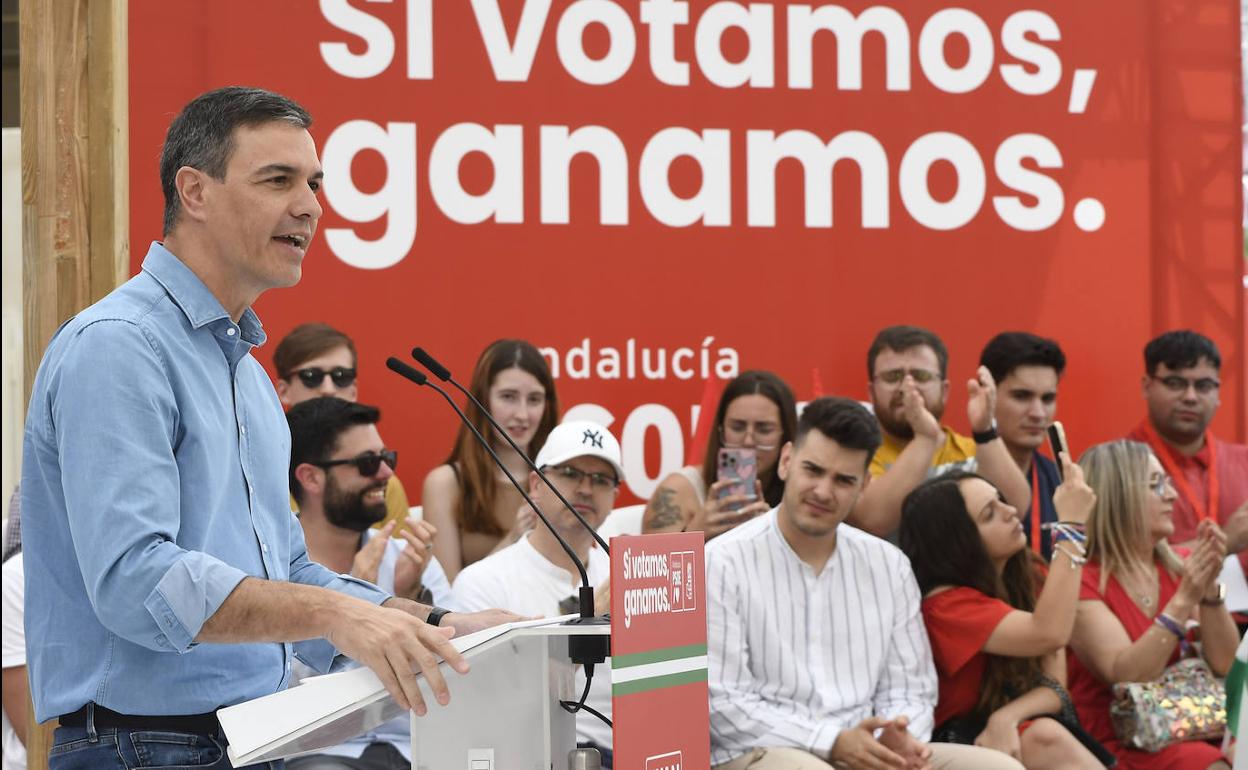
column 110, row 748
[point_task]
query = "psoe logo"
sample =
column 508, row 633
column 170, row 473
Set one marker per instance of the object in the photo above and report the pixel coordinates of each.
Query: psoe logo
column 669, row 761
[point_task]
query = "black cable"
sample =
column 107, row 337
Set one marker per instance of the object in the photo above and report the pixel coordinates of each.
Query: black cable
column 573, row 708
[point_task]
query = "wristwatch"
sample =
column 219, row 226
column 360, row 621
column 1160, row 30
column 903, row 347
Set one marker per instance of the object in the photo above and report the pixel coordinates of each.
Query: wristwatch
column 984, row 436
column 436, row 614
column 1218, row 600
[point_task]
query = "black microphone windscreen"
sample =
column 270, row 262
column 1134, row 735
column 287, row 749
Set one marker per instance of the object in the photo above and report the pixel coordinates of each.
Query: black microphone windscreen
column 415, row 375
column 428, row 361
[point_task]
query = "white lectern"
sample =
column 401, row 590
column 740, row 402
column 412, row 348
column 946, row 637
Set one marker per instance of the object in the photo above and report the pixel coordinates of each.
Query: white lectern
column 503, row 715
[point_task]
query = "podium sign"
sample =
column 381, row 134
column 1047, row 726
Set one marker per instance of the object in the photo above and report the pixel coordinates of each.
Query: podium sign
column 658, row 652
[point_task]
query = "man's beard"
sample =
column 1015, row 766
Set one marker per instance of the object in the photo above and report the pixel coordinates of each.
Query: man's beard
column 898, row 427
column 347, row 510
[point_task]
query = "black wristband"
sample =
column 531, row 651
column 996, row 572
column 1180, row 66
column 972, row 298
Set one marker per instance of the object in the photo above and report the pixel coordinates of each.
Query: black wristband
column 436, row 614
column 984, row 436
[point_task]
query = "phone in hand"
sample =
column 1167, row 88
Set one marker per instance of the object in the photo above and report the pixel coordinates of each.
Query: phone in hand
column 740, row 466
column 1057, row 441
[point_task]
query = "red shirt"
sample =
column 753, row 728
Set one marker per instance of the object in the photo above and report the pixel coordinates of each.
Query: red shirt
column 1092, row 697
column 959, row 622
column 1232, row 470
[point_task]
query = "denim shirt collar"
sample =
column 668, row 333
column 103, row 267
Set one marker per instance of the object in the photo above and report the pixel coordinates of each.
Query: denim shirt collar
column 201, row 306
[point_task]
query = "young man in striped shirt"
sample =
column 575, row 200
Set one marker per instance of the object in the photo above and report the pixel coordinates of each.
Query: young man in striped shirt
column 817, row 653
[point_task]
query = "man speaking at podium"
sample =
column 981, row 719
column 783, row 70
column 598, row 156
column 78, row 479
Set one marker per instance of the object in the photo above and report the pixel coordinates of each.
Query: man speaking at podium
column 166, row 576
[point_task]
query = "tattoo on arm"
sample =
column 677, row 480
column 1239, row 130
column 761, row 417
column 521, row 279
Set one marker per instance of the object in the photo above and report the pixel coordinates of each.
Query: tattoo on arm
column 664, row 511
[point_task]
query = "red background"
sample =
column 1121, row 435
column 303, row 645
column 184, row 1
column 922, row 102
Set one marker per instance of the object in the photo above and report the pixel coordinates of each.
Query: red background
column 1159, row 145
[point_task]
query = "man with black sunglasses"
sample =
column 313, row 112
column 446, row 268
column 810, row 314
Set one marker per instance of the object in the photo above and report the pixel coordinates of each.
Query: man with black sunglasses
column 1181, row 389
column 339, row 467
column 314, row 360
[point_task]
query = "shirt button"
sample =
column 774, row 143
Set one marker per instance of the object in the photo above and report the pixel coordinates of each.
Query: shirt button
column 264, row 547
column 242, row 429
column 230, row 331
column 251, row 490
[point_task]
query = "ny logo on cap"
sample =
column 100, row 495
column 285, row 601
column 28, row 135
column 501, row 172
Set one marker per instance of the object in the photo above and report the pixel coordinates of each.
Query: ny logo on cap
column 592, row 437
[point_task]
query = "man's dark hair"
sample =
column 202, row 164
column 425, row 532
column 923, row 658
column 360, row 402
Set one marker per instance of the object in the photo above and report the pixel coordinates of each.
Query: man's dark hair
column 1009, row 350
column 304, row 343
column 315, row 426
column 202, row 135
column 843, row 420
column 902, row 338
column 1180, row 349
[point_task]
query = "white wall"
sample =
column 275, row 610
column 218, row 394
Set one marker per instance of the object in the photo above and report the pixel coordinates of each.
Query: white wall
column 11, row 287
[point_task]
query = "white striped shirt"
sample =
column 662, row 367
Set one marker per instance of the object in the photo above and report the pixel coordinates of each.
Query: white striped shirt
column 796, row 657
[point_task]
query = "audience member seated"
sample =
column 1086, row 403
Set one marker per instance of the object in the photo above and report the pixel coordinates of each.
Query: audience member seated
column 1137, row 598
column 756, row 411
column 16, row 691
column 817, row 654
column 534, row 576
column 1026, row 369
column 468, row 499
column 1181, row 389
column 909, row 388
column 339, row 467
column 999, row 649
column 316, row 359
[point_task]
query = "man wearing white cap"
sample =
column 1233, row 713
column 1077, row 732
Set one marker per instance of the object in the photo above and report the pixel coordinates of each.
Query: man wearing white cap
column 534, row 576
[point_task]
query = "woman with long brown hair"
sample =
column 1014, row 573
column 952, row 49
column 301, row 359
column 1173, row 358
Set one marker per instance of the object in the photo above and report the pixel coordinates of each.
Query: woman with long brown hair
column 1138, row 597
column 756, row 411
column 469, row 500
column 997, row 643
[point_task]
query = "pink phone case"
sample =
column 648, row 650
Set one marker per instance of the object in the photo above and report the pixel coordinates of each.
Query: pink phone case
column 741, row 466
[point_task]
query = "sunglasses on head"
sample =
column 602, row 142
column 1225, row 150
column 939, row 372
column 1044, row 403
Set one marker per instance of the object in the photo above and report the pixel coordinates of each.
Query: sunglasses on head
column 368, row 463
column 313, row 376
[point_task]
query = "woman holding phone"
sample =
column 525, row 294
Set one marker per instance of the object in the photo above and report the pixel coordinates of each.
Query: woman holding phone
column 469, row 500
column 756, row 416
column 998, row 642
column 1138, row 599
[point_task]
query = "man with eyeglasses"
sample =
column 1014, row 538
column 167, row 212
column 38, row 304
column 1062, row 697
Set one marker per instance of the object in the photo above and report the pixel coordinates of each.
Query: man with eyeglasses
column 907, row 367
column 338, row 472
column 1181, row 389
column 534, row 575
column 313, row 360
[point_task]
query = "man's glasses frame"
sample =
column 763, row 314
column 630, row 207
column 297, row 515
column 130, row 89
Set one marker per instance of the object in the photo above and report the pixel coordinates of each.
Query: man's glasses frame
column 313, row 376
column 921, row 376
column 367, row 464
column 599, row 482
column 1176, row 384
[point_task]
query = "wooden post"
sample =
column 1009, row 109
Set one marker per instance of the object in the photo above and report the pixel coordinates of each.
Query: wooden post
column 75, row 179
column 75, row 155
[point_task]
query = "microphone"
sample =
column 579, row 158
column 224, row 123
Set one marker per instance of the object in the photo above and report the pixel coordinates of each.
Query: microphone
column 586, row 593
column 444, row 374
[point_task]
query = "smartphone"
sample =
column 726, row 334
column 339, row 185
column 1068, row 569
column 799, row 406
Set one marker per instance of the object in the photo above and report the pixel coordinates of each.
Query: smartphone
column 740, row 466
column 1057, row 442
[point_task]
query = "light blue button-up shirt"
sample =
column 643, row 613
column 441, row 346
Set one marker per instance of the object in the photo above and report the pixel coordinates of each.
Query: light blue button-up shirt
column 154, row 479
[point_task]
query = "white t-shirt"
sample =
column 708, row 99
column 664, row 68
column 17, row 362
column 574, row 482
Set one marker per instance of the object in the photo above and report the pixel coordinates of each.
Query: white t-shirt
column 14, row 653
column 520, row 579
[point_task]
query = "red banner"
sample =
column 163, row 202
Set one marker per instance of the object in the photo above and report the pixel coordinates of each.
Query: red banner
column 656, row 192
column 658, row 652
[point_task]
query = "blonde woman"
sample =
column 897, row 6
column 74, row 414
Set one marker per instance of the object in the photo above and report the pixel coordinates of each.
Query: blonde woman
column 1138, row 597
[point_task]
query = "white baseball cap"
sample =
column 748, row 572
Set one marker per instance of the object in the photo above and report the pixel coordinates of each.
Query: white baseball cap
column 580, row 438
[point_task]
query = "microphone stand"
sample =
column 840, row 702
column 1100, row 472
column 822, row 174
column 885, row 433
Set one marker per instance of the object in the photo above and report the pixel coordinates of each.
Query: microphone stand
column 585, row 649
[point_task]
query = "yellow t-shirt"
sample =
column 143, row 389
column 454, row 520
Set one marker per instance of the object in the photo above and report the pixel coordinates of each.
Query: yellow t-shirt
column 958, row 452
column 396, row 504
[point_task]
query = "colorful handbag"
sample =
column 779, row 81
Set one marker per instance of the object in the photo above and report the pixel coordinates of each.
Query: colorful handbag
column 1186, row 703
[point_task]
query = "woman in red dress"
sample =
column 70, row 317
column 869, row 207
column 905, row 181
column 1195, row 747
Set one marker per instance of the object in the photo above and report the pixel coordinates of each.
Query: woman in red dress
column 1136, row 595
column 998, row 647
